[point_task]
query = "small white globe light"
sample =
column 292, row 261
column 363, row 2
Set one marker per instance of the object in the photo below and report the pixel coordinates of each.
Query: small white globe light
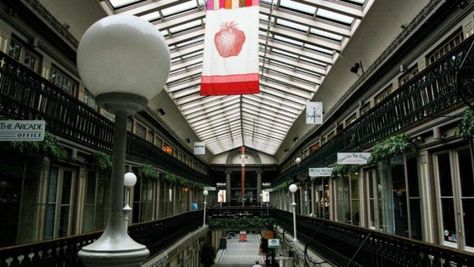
column 205, row 192
column 292, row 188
column 129, row 179
column 298, row 160
column 123, row 54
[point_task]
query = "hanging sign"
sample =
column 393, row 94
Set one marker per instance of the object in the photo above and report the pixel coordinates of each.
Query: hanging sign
column 265, row 196
column 320, row 172
column 199, row 148
column 314, row 113
column 273, row 243
column 24, row 130
column 221, row 196
column 357, row 158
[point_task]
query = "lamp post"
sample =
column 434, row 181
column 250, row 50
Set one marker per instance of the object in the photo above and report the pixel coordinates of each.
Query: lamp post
column 129, row 181
column 124, row 61
column 205, row 193
column 293, row 189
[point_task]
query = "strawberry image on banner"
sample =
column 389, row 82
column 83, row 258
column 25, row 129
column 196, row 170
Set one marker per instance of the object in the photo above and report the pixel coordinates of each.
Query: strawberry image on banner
column 230, row 64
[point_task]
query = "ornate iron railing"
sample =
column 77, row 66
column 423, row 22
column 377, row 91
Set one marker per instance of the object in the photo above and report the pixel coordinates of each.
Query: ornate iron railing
column 26, row 95
column 156, row 235
column 347, row 245
column 435, row 90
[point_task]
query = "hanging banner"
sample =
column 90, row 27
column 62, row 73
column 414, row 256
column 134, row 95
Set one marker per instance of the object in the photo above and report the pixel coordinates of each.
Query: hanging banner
column 357, row 158
column 320, row 172
column 230, row 64
column 314, row 113
column 199, row 148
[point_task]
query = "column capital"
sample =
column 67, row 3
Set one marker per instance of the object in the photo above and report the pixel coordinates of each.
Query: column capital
column 259, row 172
column 227, row 171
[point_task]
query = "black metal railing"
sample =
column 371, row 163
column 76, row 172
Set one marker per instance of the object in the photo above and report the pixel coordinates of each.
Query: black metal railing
column 26, row 95
column 437, row 89
column 156, row 235
column 347, row 245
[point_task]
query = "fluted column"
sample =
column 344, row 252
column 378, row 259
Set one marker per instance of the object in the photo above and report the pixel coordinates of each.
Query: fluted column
column 227, row 186
column 259, row 185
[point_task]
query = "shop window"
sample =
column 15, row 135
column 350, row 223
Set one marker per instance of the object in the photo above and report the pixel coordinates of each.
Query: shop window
column 364, row 108
column 63, row 81
column 451, row 42
column 130, row 124
column 168, row 149
column 394, row 198
column 59, row 203
column 330, row 135
column 140, row 130
column 314, row 147
column 19, row 51
column 88, row 99
column 158, row 141
column 89, row 203
column 455, row 196
column 149, row 136
column 382, row 95
column 408, row 75
column 351, row 119
column 322, row 198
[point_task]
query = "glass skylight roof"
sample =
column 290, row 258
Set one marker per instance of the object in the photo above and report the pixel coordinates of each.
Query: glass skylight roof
column 296, row 51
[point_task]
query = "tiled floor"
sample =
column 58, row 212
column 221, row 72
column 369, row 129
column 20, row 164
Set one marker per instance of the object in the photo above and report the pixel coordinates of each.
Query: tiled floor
column 241, row 254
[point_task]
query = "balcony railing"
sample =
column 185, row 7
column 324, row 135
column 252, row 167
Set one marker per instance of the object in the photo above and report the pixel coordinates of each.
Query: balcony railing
column 432, row 92
column 156, row 235
column 26, row 95
column 351, row 246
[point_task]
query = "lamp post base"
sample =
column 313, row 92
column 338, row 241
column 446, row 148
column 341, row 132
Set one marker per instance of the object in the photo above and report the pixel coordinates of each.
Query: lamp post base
column 114, row 248
column 113, row 258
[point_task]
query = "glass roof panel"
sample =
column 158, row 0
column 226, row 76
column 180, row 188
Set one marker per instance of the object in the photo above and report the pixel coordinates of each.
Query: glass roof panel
column 179, row 8
column 292, row 25
column 151, row 16
column 298, row 6
column 295, row 53
column 335, row 16
column 120, row 3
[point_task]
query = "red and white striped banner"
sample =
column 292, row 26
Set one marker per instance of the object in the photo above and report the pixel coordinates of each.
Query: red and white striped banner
column 230, row 65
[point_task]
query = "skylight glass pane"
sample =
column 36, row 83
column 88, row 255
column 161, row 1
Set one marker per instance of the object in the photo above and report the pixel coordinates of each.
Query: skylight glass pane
column 326, row 34
column 151, row 16
column 288, row 40
column 319, row 49
column 298, row 6
column 120, row 3
column 282, row 52
column 293, row 25
column 179, row 8
column 185, row 26
column 335, row 16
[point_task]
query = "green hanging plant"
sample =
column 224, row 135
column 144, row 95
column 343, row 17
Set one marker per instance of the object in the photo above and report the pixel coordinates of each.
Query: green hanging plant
column 148, row 171
column 49, row 147
column 242, row 223
column 343, row 169
column 466, row 128
column 103, row 161
column 392, row 147
column 170, row 178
